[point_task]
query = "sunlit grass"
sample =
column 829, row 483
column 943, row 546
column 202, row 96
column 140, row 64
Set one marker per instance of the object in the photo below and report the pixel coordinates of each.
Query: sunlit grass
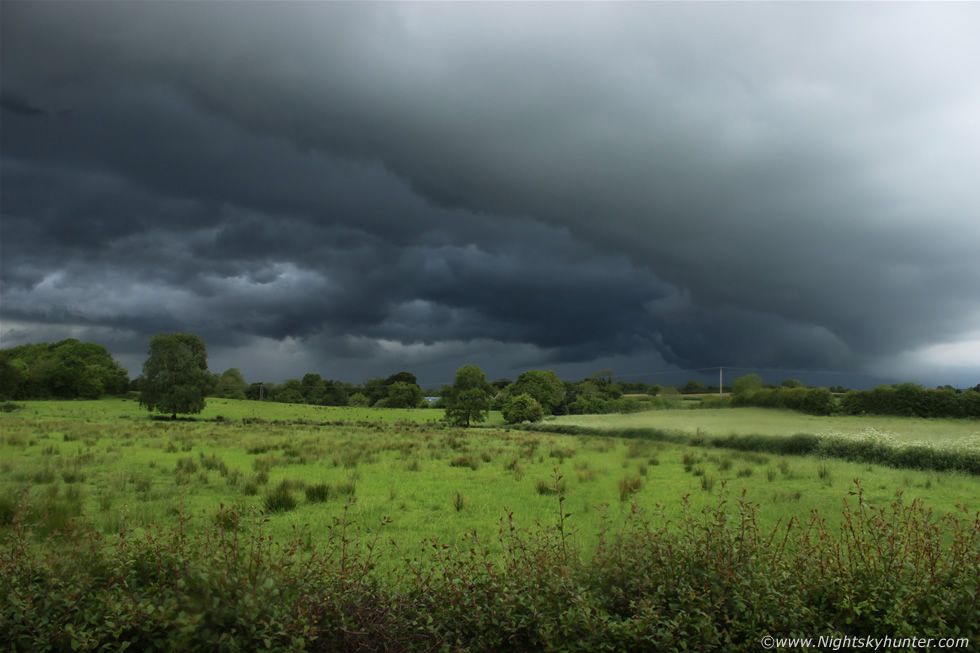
column 764, row 421
column 433, row 481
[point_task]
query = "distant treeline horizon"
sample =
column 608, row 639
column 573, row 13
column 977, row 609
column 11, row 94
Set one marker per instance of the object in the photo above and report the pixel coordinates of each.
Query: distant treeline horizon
column 70, row 369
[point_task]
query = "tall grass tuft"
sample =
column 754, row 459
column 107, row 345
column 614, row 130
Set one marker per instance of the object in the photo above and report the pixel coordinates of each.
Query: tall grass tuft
column 465, row 461
column 280, row 499
column 628, row 487
column 318, row 493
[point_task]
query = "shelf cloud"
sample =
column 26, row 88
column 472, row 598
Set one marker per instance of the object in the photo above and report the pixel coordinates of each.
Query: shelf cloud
column 352, row 189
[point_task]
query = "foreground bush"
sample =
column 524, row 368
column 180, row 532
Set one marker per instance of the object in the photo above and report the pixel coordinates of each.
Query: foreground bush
column 712, row 581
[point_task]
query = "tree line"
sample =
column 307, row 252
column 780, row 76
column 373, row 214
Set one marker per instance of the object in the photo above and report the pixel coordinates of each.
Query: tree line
column 175, row 379
column 68, row 369
column 900, row 399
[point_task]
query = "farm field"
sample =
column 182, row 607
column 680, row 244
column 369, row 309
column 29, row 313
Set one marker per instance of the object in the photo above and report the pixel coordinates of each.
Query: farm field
column 231, row 409
column 766, row 421
column 107, row 462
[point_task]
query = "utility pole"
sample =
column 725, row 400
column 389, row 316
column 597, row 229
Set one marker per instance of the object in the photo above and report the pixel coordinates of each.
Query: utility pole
column 721, row 384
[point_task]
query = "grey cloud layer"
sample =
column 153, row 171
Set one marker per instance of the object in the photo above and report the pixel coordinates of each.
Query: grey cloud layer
column 752, row 184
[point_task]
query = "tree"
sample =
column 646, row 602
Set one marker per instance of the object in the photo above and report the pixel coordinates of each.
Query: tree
column 791, row 383
column 468, row 399
column 544, row 386
column 314, row 389
column 375, row 390
column 522, row 408
column 402, row 377
column 231, row 385
column 11, row 377
column 693, row 387
column 746, row 385
column 603, row 377
column 358, row 400
column 175, row 376
column 404, row 395
column 66, row 369
column 289, row 391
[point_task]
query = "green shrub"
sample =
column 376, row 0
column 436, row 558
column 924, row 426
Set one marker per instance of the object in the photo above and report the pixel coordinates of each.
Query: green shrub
column 318, row 493
column 280, row 500
column 522, row 408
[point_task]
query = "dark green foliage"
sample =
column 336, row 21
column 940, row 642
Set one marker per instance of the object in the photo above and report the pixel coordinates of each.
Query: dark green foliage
column 289, row 391
column 595, row 405
column 358, row 400
column 404, row 395
column 910, row 400
column 468, row 399
column 280, row 499
column 693, row 387
column 231, row 385
column 544, row 386
column 715, row 402
column 746, row 385
column 522, row 408
column 813, row 401
column 67, row 369
column 175, row 376
column 710, row 580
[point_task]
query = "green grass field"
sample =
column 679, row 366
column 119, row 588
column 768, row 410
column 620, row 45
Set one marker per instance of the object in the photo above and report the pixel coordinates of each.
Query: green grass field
column 231, row 409
column 108, row 462
column 743, row 421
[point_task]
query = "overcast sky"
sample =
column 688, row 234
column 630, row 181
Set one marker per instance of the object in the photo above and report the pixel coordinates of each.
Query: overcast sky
column 355, row 189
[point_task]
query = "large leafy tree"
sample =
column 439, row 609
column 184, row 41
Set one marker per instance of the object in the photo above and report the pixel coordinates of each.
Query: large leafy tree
column 544, row 386
column 468, row 399
column 231, row 385
column 404, row 395
column 175, row 376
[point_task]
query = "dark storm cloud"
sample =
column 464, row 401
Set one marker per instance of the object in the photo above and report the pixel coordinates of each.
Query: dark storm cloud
column 703, row 184
column 18, row 105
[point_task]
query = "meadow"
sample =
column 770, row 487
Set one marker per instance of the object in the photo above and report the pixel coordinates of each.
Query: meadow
column 407, row 482
column 112, row 464
column 767, row 421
